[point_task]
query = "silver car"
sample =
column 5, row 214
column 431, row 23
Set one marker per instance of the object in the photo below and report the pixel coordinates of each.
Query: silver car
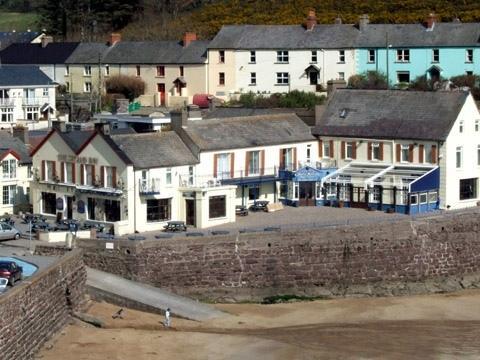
column 8, row 232
column 3, row 285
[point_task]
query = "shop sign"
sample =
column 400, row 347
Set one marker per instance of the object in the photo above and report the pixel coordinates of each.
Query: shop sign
column 79, row 159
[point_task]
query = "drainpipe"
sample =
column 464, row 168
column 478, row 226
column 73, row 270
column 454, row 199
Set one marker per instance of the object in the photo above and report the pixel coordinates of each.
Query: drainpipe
column 134, row 201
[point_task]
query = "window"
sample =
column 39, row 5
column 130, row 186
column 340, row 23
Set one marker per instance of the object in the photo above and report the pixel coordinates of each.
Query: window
column 221, row 79
column 341, row 76
column 9, row 193
column 404, row 153
column 45, row 92
column 223, row 166
column 469, row 73
column 286, row 159
column 309, row 153
column 107, row 70
column 253, row 57
column 91, row 204
column 217, row 207
column 458, row 157
column 460, row 126
column 326, row 149
column 403, row 55
column 348, row 150
column 87, row 87
column 168, row 176
column 468, row 188
column 413, row 199
column 295, row 190
column 432, row 197
column 423, row 198
column 109, row 176
column 469, row 56
column 376, row 194
column 112, row 210
column 435, row 55
column 478, row 155
column 190, row 175
column 253, row 192
column 68, row 171
column 137, row 70
column 253, row 162
column 67, row 70
column 50, row 172
column 282, row 56
column 253, row 78
column 314, row 56
column 181, row 72
column 375, row 151
column 403, row 76
column 221, row 56
column 31, row 113
column 88, row 175
column 158, row 210
column 49, row 203
column 6, row 114
column 371, row 55
column 341, row 56
column 282, row 78
column 87, row 70
column 477, row 125
column 67, row 86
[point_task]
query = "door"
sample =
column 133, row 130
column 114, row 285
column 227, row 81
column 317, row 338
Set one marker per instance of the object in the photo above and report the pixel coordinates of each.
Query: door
column 190, row 212
column 69, row 207
column 313, row 78
column 161, row 92
column 307, row 193
column 358, row 198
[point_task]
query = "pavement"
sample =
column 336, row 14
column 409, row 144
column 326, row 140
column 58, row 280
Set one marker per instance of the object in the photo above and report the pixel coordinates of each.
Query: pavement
column 151, row 296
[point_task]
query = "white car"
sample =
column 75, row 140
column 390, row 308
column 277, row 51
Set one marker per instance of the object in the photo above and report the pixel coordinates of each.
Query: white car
column 3, row 285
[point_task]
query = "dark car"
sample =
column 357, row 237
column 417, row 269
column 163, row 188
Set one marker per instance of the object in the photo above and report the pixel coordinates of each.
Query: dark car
column 11, row 271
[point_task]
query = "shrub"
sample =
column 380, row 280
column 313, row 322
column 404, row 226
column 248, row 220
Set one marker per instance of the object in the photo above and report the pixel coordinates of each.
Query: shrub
column 292, row 99
column 368, row 80
column 129, row 86
column 470, row 81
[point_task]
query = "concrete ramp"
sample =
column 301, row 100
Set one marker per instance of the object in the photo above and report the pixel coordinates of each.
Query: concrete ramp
column 149, row 297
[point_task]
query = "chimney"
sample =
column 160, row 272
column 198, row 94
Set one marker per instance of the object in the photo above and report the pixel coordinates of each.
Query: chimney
column 338, row 20
column 103, row 128
column 21, row 133
column 311, row 20
column 60, row 126
column 430, row 21
column 178, row 118
column 46, row 40
column 114, row 38
column 363, row 21
column 188, row 37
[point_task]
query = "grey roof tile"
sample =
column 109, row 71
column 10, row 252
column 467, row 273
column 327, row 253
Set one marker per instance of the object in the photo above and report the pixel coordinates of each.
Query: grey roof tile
column 8, row 142
column 87, row 53
column 248, row 131
column 390, row 114
column 26, row 53
column 23, row 76
column 153, row 150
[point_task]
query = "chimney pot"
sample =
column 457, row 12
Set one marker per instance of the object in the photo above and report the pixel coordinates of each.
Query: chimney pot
column 46, row 40
column 188, row 37
column 114, row 38
column 431, row 20
column 311, row 20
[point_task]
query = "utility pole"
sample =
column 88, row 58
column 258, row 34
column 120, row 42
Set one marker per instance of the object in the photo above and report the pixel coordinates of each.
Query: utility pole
column 99, row 82
column 388, row 65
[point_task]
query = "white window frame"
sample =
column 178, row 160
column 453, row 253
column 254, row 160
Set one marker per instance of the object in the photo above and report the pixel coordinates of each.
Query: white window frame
column 435, row 55
column 33, row 111
column 254, row 163
column 45, row 91
column 9, row 169
column 168, row 176
column 348, row 149
column 477, row 125
column 375, row 147
column 282, row 56
column 469, row 56
column 253, row 57
column 403, row 55
column 6, row 114
column 372, row 56
column 87, row 70
column 423, row 195
column 67, row 70
column 404, row 150
column 108, row 176
column 87, row 87
column 341, row 56
column 138, row 70
column 221, row 56
column 106, row 70
column 68, row 177
column 341, row 75
column 460, row 126
column 326, row 149
column 253, row 78
column 283, row 78
column 403, row 73
column 459, row 157
column 9, row 192
column 314, row 58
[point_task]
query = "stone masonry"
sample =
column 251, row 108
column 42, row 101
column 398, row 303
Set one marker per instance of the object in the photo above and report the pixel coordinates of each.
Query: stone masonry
column 33, row 311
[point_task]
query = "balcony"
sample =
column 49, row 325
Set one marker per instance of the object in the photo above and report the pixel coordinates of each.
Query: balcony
column 149, row 186
column 6, row 102
column 228, row 178
column 37, row 101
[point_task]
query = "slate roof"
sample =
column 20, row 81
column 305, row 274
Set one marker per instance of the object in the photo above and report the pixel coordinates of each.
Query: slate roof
column 248, row 131
column 23, row 76
column 8, row 142
column 158, row 149
column 390, row 114
column 25, row 53
column 75, row 139
column 226, row 112
column 87, row 53
column 284, row 37
column 156, row 52
column 8, row 37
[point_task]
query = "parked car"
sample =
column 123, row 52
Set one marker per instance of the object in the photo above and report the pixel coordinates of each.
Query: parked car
column 11, row 271
column 3, row 284
column 8, row 232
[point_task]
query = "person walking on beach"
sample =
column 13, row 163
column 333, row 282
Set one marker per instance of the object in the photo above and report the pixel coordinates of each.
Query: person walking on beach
column 167, row 318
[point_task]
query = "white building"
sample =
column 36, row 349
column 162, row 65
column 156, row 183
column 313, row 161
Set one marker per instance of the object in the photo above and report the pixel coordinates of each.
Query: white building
column 15, row 174
column 27, row 97
column 416, row 150
column 271, row 59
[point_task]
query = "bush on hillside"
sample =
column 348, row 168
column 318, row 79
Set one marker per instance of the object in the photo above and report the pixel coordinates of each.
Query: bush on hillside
column 370, row 80
column 129, row 86
column 292, row 99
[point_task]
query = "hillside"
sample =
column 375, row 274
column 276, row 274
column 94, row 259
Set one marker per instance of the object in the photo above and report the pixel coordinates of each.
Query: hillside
column 18, row 21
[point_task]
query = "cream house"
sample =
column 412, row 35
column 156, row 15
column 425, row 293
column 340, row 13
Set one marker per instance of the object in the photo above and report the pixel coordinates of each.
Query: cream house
column 412, row 151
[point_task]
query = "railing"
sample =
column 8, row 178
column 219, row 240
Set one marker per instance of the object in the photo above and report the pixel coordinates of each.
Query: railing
column 149, row 186
column 6, row 102
column 37, row 101
column 322, row 164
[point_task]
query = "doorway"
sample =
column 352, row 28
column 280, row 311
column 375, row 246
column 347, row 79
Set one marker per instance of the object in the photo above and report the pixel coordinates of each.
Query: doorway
column 313, row 78
column 307, row 193
column 358, row 196
column 434, row 74
column 69, row 207
column 161, row 92
column 190, row 212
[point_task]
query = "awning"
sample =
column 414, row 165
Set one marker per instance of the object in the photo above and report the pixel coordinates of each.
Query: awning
column 312, row 68
column 180, row 80
column 46, row 107
column 99, row 190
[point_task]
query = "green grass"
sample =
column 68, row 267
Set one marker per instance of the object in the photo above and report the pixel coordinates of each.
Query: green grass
column 17, row 21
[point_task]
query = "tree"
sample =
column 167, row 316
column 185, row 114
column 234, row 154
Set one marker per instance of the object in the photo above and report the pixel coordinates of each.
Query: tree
column 470, row 81
column 372, row 80
column 129, row 86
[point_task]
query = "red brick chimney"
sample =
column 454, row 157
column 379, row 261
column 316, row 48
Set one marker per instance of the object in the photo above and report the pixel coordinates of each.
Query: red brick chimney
column 188, row 37
column 430, row 21
column 114, row 38
column 311, row 20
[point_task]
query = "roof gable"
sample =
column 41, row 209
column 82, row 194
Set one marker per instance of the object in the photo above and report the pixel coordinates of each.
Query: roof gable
column 23, row 76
